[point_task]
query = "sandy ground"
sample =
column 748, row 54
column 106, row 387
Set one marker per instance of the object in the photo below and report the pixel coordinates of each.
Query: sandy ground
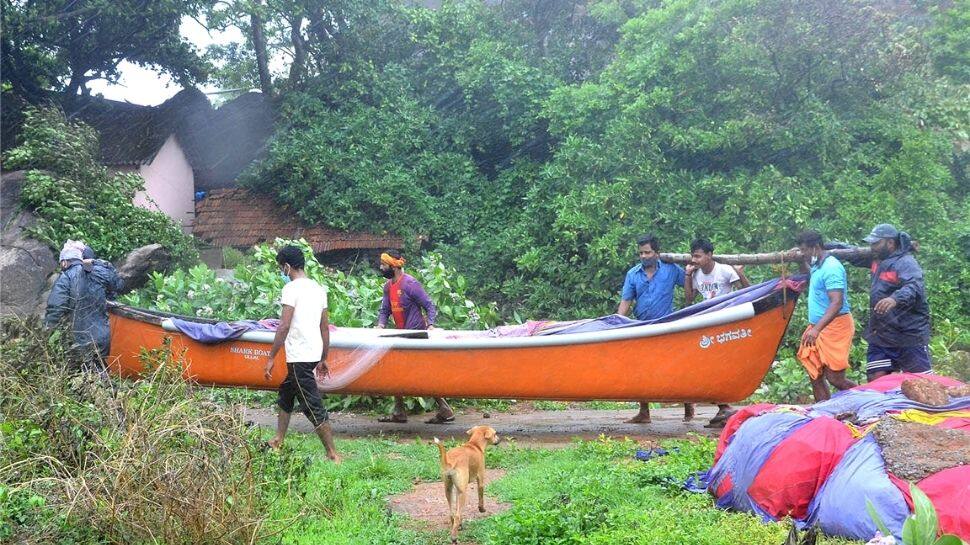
column 539, row 427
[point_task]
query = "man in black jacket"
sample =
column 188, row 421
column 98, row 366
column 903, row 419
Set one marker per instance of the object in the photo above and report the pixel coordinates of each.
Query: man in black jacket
column 79, row 297
column 898, row 331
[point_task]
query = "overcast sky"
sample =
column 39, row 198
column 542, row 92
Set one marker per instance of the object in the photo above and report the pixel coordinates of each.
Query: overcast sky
column 144, row 86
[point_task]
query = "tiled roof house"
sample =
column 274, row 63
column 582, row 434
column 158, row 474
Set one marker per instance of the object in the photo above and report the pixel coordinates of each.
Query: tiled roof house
column 240, row 219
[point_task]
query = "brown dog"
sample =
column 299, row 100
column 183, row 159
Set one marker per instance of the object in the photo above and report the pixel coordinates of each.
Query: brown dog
column 459, row 465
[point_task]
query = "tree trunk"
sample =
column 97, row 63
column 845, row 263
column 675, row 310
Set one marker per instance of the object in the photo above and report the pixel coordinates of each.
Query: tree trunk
column 788, row 256
column 262, row 58
column 298, row 68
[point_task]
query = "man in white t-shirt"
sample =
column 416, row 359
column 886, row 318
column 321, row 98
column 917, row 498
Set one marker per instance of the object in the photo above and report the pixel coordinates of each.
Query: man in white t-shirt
column 711, row 279
column 304, row 330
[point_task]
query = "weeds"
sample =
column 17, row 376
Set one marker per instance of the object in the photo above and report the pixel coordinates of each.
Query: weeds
column 85, row 459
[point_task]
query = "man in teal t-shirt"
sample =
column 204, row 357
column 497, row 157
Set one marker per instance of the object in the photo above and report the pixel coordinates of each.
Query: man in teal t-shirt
column 824, row 351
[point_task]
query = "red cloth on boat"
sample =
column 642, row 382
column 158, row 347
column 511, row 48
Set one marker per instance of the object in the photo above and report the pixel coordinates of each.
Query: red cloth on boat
column 802, row 461
column 956, row 423
column 949, row 490
column 895, row 380
column 735, row 421
column 725, row 487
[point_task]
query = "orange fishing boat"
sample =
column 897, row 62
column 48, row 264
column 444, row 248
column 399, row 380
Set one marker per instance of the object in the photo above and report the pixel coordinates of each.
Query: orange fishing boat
column 719, row 353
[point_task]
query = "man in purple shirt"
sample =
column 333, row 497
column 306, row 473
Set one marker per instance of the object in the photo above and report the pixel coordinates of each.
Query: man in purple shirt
column 406, row 302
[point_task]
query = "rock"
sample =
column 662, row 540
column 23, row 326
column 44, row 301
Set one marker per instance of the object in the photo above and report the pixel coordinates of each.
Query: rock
column 11, row 184
column 135, row 268
column 925, row 391
column 26, row 264
column 959, row 391
column 913, row 451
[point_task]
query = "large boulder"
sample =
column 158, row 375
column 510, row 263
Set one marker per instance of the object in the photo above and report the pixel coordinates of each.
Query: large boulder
column 135, row 268
column 26, row 264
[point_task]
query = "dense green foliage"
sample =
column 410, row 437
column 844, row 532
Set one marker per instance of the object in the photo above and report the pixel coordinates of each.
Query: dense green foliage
column 354, row 299
column 76, row 197
column 743, row 121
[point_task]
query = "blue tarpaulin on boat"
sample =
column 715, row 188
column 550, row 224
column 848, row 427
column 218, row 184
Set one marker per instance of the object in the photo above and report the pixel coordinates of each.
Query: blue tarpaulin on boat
column 745, row 295
column 223, row 331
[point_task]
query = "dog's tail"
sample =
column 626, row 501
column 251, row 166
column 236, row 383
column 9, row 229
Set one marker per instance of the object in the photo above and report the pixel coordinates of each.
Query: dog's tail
column 441, row 449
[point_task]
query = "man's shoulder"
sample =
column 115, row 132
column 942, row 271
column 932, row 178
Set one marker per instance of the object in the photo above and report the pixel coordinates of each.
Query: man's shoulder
column 409, row 281
column 673, row 268
column 832, row 264
column 906, row 260
column 302, row 285
column 723, row 268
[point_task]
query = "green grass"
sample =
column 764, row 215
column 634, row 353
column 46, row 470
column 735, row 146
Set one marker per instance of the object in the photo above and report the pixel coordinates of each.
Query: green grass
column 592, row 492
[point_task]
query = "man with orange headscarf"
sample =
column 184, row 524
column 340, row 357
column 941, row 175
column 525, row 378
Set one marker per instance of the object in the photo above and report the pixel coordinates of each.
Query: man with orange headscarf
column 410, row 307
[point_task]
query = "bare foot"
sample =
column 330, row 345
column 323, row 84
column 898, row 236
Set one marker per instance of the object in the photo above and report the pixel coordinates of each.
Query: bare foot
column 275, row 443
column 688, row 412
column 639, row 419
column 335, row 458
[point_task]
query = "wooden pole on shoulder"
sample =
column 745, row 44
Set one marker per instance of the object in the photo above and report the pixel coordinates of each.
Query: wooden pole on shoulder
column 772, row 258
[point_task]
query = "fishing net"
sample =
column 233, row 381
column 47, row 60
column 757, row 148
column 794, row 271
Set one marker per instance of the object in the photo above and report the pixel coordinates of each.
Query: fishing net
column 346, row 366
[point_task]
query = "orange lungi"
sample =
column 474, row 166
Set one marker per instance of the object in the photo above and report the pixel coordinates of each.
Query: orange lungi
column 831, row 348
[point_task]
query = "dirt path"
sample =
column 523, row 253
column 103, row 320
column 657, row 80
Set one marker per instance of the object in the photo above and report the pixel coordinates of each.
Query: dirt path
column 542, row 427
column 427, row 506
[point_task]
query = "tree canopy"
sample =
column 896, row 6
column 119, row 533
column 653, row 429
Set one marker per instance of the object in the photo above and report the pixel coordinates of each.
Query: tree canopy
column 534, row 144
column 61, row 45
column 531, row 141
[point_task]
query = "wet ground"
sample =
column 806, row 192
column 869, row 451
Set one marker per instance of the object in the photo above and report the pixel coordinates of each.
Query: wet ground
column 525, row 427
column 427, row 506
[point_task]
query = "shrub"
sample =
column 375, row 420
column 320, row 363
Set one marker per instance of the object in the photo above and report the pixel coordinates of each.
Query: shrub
column 354, row 300
column 85, row 459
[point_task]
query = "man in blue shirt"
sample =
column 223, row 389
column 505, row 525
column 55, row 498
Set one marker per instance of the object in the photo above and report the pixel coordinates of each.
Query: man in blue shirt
column 649, row 289
column 826, row 342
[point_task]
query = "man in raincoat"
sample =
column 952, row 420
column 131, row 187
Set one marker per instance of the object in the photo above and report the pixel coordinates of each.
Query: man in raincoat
column 898, row 331
column 79, row 299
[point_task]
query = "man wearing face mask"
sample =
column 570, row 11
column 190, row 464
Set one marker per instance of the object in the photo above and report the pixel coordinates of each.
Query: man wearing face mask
column 898, row 331
column 409, row 305
column 649, row 288
column 824, row 350
column 304, row 331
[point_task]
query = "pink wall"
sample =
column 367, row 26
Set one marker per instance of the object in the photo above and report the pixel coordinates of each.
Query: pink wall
column 169, row 185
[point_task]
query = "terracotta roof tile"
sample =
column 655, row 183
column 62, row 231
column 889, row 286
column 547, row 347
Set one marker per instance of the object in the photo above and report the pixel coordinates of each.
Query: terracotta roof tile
column 239, row 218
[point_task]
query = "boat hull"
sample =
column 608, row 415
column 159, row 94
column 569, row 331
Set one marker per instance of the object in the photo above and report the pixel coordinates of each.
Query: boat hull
column 715, row 363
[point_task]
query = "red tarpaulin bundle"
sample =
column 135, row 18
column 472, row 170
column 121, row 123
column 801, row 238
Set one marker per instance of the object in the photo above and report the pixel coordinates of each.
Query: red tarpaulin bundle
column 779, row 461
